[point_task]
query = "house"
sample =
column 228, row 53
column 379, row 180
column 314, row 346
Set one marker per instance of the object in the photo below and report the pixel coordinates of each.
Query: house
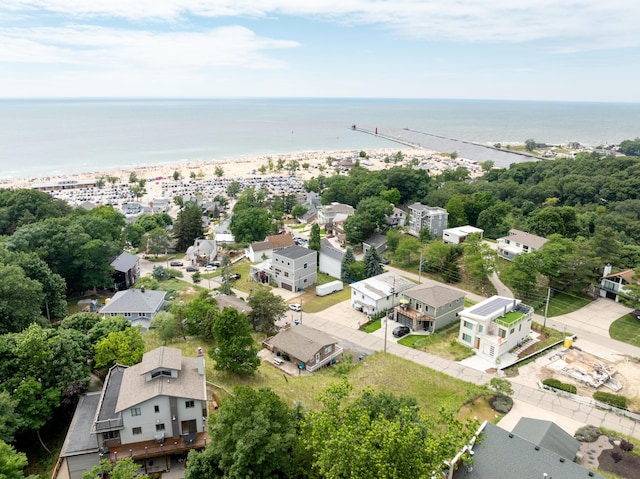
column 379, row 293
column 154, row 412
column 518, row 242
column 397, row 218
column 459, row 234
column 261, row 250
column 330, row 259
column 335, row 227
column 327, row 213
column 126, row 272
column 429, row 306
column 202, row 251
column 295, row 267
column 548, row 435
column 309, row 217
column 306, row 347
column 226, row 301
column 495, row 326
column 501, row 454
column 159, row 205
column 612, row 285
column 431, row 218
column 138, row 306
column 377, row 241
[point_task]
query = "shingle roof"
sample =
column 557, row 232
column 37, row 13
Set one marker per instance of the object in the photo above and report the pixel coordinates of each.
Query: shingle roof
column 433, row 294
column 294, row 252
column 376, row 239
column 162, row 357
column 548, row 435
column 327, row 249
column 301, row 341
column 280, row 241
column 525, row 238
column 124, row 262
column 627, row 275
column 225, row 301
column 134, row 301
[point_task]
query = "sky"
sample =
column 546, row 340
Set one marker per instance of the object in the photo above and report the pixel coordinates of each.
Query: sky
column 557, row 50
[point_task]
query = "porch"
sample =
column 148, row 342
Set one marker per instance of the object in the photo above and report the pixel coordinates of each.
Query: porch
column 140, row 451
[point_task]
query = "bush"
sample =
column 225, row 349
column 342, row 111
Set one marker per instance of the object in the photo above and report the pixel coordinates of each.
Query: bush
column 501, row 403
column 554, row 383
column 626, row 445
column 617, row 456
column 588, row 434
column 611, row 399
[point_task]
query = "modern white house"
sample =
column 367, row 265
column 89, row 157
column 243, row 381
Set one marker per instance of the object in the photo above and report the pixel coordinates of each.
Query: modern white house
column 330, row 259
column 138, row 306
column 154, row 412
column 327, row 213
column 612, row 285
column 459, row 234
column 495, row 326
column 431, row 218
column 379, row 293
column 519, row 242
column 429, row 306
column 294, row 268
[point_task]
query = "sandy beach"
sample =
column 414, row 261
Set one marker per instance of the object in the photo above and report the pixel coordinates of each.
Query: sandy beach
column 310, row 164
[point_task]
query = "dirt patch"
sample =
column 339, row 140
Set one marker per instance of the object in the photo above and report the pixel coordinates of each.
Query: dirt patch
column 619, row 462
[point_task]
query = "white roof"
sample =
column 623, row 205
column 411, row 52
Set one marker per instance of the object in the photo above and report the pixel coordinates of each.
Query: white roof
column 383, row 285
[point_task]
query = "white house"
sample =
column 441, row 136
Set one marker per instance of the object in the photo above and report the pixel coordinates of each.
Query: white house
column 138, row 306
column 261, row 250
column 459, row 234
column 153, row 412
column 397, row 217
column 518, row 242
column 330, row 259
column 294, row 268
column 378, row 293
column 495, row 326
column 612, row 285
column 327, row 213
column 431, row 218
column 202, row 251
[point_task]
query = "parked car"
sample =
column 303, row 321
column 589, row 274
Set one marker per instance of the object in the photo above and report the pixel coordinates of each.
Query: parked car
column 295, row 307
column 385, row 260
column 235, row 276
column 191, row 269
column 401, row 331
column 210, row 267
column 175, row 263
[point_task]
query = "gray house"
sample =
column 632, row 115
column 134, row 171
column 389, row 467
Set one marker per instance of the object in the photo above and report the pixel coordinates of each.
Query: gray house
column 294, row 268
column 138, row 306
column 429, row 307
column 431, row 218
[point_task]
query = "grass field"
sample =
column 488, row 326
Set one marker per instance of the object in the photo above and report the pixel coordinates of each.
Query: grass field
column 563, row 304
column 626, row 329
column 442, row 344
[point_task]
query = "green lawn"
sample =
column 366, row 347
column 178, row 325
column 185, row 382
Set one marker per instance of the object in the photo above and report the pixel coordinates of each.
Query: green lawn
column 372, row 326
column 563, row 304
column 626, row 329
column 443, row 344
column 314, row 304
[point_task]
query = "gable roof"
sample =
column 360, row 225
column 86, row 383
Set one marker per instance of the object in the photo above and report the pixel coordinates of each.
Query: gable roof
column 134, row 301
column 433, row 294
column 280, row 241
column 505, row 455
column 326, row 248
column 135, row 389
column 548, row 435
column 525, row 238
column 124, row 262
column 226, row 301
column 301, row 341
column 626, row 275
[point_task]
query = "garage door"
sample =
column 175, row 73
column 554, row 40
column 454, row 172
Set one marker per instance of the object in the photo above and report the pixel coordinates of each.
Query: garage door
column 403, row 320
column 286, row 286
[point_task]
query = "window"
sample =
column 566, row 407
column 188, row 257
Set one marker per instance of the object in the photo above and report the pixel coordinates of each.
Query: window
column 328, row 349
column 159, row 427
column 164, row 372
column 466, row 338
column 305, row 266
column 502, row 333
column 189, row 404
column 135, row 411
column 512, row 330
column 136, row 430
column 156, row 408
column 110, row 435
column 286, row 275
column 492, row 351
column 480, row 328
column 467, row 325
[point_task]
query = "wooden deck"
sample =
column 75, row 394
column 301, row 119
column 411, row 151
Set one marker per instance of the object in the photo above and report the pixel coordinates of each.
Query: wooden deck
column 149, row 449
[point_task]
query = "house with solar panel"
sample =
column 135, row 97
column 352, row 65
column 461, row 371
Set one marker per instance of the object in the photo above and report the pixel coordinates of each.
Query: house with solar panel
column 495, row 326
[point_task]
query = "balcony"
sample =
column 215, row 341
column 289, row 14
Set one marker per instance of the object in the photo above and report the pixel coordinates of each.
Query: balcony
column 336, row 353
column 148, row 449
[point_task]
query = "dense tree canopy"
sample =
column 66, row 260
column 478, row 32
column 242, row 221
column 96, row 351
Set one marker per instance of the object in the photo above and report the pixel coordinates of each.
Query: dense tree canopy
column 266, row 309
column 235, row 351
column 188, row 225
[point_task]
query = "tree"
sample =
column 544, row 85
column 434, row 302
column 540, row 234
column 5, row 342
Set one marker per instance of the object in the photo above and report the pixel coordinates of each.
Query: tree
column 125, row 468
column 233, row 188
column 298, row 210
column 176, row 175
column 357, row 271
column 235, row 351
column 158, row 241
column 20, row 299
column 199, row 315
column 479, row 259
column 372, row 262
column 456, row 210
column 314, row 237
column 9, row 418
column 12, row 462
column 219, row 171
column 347, row 259
column 358, row 228
column 167, row 326
column 266, row 309
column 188, row 225
column 133, row 177
column 256, row 434
column 251, row 224
column 630, row 147
column 408, row 251
column 530, row 144
column 393, row 239
column 522, row 275
column 122, row 347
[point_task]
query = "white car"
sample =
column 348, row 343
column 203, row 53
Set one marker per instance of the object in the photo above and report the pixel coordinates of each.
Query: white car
column 295, row 307
column 210, row 268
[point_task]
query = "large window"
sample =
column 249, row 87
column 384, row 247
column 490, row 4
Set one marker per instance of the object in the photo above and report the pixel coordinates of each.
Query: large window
column 136, row 431
column 159, row 427
column 189, row 404
column 135, row 411
column 466, row 338
column 467, row 325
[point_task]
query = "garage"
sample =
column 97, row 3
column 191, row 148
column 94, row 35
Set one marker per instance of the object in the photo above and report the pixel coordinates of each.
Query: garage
column 404, row 320
column 287, row 286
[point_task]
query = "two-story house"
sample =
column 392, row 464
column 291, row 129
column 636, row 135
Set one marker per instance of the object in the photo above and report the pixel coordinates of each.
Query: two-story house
column 126, row 270
column 202, row 251
column 397, row 217
column 138, row 306
column 429, row 306
column 612, row 285
column 153, row 412
column 494, row 327
column 378, row 293
column 431, row 218
column 459, row 234
column 519, row 242
column 294, row 268
column 327, row 213
column 261, row 250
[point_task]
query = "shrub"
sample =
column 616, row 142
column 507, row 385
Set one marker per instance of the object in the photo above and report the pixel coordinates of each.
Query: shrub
column 626, row 445
column 611, row 399
column 501, row 403
column 587, row 434
column 554, row 383
column 617, row 456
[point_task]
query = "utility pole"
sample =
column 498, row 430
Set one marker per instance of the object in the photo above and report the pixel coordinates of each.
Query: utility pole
column 546, row 307
column 420, row 268
column 386, row 316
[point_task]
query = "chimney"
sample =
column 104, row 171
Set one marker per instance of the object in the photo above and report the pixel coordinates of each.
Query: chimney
column 200, row 361
column 607, row 269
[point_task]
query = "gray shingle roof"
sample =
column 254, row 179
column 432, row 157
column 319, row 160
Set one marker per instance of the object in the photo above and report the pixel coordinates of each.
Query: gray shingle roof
column 79, row 439
column 134, row 301
column 433, row 294
column 524, row 238
column 376, row 239
column 124, row 262
column 327, row 249
column 548, row 435
column 301, row 341
column 294, row 252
